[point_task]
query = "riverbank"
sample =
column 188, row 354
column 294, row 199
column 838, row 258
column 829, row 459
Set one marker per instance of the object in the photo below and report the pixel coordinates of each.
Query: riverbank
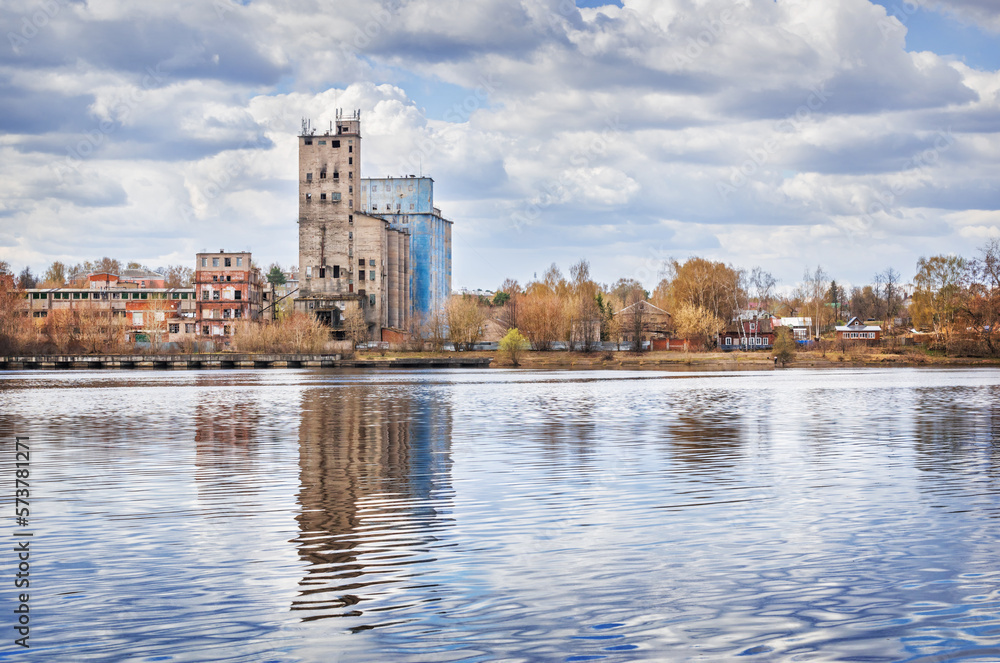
column 703, row 360
column 725, row 361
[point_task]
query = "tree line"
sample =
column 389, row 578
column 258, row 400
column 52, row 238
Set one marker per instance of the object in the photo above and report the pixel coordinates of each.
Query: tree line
column 59, row 274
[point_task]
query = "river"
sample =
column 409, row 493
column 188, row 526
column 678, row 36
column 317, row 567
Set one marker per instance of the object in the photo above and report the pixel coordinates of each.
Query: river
column 467, row 515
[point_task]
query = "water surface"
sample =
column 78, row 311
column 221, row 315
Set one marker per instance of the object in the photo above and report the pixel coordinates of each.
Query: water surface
column 294, row 515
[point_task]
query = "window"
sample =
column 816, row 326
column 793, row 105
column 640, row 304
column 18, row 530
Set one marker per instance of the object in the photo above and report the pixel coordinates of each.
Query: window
column 225, row 330
column 309, row 197
column 361, row 275
column 371, row 300
column 336, row 271
column 76, row 295
column 350, row 161
column 204, row 328
column 322, row 272
column 322, row 196
column 350, row 203
column 335, row 196
column 309, row 177
column 175, row 295
column 398, row 206
column 361, row 262
column 729, row 340
column 350, row 189
column 308, row 141
column 371, row 263
column 322, row 174
column 215, row 294
column 228, row 262
column 350, row 235
column 239, row 262
column 350, row 149
column 335, row 143
column 371, row 275
column 204, row 262
column 350, row 218
column 215, row 262
column 336, row 175
column 215, row 278
column 309, row 272
column 237, row 313
column 184, row 295
column 350, row 175
column 188, row 329
column 238, row 295
column 175, row 329
column 322, row 142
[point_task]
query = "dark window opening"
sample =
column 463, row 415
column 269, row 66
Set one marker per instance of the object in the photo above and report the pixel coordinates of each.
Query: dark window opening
column 361, row 262
column 229, row 262
column 335, row 143
column 322, row 174
column 309, row 177
column 350, row 148
column 308, row 141
column 336, row 271
column 350, row 161
column 238, row 295
column 361, row 276
column 322, row 272
column 322, row 196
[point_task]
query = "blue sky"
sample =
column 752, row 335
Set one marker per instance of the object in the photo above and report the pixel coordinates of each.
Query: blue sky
column 849, row 133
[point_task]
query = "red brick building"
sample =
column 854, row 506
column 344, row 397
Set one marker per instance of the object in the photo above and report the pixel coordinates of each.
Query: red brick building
column 228, row 288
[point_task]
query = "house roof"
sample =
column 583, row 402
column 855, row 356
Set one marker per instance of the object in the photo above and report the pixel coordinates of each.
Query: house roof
column 646, row 306
column 855, row 325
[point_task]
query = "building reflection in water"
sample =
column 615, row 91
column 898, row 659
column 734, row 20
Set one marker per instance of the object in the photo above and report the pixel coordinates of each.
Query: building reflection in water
column 375, row 467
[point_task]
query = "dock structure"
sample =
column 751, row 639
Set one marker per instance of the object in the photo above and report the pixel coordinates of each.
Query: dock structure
column 229, row 361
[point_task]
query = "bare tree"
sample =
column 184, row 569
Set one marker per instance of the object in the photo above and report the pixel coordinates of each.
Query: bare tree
column 816, row 285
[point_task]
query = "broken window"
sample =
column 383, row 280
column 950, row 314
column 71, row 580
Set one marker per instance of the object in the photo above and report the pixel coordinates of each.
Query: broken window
column 322, row 174
column 335, row 143
column 309, row 197
column 238, row 295
column 309, row 177
column 336, row 271
column 228, row 262
column 322, row 196
column 371, row 300
column 204, row 330
column 350, row 161
column 361, row 262
column 175, row 329
column 336, row 175
column 350, row 148
column 215, row 294
column 308, row 141
column 322, row 272
column 361, row 275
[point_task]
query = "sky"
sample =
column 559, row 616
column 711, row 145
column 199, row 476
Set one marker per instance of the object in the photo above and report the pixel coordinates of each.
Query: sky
column 786, row 134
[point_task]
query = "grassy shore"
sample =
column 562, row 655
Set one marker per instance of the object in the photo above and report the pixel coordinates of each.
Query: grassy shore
column 701, row 360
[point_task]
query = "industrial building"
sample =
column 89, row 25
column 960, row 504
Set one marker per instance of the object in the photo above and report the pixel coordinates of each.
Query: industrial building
column 229, row 288
column 407, row 203
column 357, row 254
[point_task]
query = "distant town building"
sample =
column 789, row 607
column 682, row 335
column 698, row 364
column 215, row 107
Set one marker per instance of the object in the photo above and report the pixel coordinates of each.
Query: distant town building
column 799, row 326
column 229, row 288
column 856, row 331
column 407, row 203
column 756, row 334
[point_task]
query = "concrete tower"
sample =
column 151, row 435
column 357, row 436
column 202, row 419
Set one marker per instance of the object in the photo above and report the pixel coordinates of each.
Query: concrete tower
column 347, row 259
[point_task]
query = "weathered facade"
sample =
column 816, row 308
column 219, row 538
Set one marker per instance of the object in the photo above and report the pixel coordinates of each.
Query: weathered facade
column 168, row 313
column 228, row 288
column 407, row 203
column 348, row 260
